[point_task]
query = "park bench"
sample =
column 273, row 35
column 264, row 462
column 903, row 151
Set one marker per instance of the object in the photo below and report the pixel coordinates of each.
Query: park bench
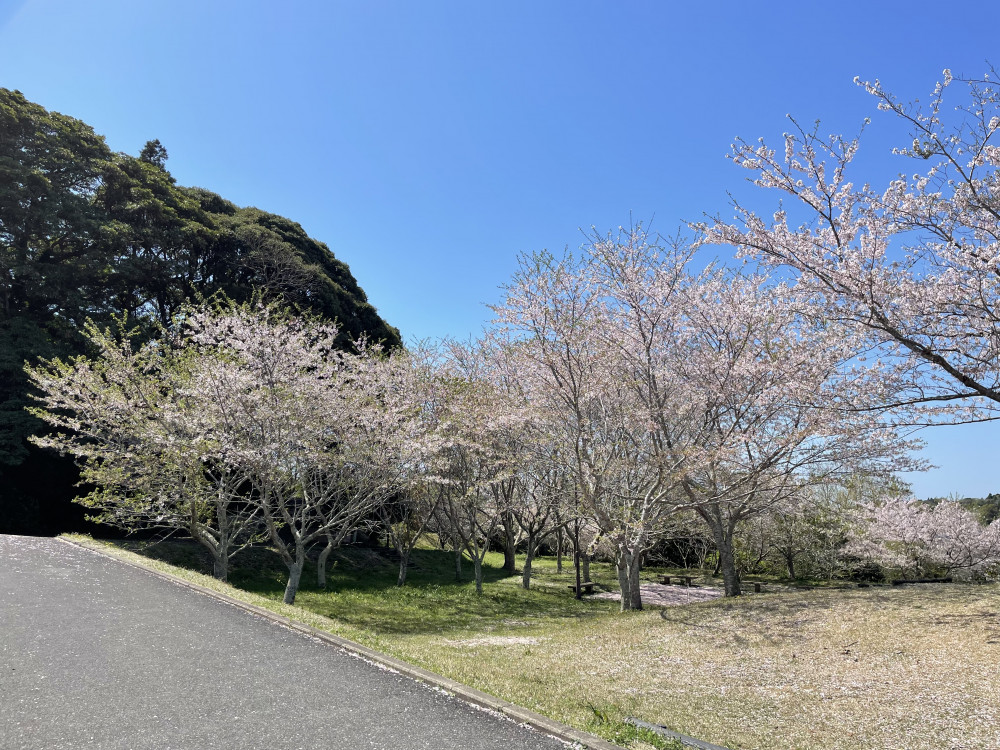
column 903, row 581
column 666, row 580
column 585, row 588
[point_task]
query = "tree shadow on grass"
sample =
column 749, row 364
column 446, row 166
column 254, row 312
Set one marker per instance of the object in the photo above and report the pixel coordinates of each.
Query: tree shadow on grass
column 772, row 618
column 424, row 610
column 362, row 589
column 786, row 617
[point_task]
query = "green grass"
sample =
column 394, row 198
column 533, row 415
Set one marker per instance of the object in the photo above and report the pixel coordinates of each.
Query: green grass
column 362, row 592
column 606, row 724
column 883, row 667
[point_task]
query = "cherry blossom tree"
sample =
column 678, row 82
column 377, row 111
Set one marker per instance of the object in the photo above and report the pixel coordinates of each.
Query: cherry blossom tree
column 588, row 333
column 406, row 518
column 146, row 426
column 674, row 391
column 911, row 267
column 533, row 498
column 806, row 533
column 241, row 417
column 770, row 386
column 918, row 538
column 279, row 383
column 478, row 460
column 541, row 492
column 416, row 441
column 322, row 435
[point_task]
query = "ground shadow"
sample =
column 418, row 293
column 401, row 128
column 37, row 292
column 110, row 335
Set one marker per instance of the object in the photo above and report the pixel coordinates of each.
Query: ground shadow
column 362, row 592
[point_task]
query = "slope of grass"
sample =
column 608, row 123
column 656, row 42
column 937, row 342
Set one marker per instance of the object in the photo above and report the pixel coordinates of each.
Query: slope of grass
column 882, row 667
column 362, row 593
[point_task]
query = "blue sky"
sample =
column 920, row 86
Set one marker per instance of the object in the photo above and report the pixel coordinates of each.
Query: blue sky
column 428, row 143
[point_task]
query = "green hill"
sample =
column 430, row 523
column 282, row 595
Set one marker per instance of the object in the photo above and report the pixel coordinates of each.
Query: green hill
column 86, row 232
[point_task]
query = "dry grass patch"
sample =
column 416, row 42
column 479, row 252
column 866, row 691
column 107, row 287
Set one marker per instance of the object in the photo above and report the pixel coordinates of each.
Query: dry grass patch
column 872, row 668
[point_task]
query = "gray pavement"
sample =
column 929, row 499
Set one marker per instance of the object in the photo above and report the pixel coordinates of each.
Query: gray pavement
column 97, row 654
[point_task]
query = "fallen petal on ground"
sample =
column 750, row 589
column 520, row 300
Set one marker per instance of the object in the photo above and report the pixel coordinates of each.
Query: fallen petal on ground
column 661, row 595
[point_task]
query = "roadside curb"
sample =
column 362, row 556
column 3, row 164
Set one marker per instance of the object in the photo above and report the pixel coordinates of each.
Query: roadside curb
column 464, row 692
column 671, row 734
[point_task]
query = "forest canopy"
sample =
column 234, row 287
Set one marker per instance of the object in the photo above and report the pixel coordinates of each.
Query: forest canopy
column 90, row 233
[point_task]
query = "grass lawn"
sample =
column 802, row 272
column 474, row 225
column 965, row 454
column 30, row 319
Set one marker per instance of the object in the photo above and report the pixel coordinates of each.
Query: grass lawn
column 910, row 667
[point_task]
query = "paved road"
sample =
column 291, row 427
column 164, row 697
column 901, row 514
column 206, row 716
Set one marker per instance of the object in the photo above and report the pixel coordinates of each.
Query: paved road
column 97, row 654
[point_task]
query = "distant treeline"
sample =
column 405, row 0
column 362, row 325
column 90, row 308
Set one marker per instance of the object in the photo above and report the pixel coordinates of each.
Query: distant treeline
column 86, row 232
column 987, row 508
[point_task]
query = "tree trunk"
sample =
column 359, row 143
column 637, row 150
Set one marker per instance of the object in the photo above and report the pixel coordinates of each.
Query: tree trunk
column 790, row 562
column 723, row 528
column 218, row 549
column 526, row 572
column 404, row 560
column 727, row 561
column 294, row 574
column 634, row 569
column 586, row 568
column 510, row 544
column 478, row 565
column 628, row 579
column 559, row 550
column 220, row 566
column 321, row 562
column 722, row 534
column 458, row 563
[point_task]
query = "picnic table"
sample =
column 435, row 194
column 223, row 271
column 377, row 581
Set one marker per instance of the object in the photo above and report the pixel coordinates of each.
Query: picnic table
column 667, row 579
column 904, row 581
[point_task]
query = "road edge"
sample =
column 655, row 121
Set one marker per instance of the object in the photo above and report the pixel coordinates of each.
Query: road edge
column 464, row 692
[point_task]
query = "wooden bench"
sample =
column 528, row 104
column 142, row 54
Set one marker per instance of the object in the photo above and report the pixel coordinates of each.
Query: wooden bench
column 904, row 581
column 666, row 580
column 586, row 588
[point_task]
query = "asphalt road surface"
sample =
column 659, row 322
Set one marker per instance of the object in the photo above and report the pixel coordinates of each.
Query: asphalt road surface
column 97, row 654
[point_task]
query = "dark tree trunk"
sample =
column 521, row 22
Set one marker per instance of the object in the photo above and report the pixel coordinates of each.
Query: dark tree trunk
column 730, row 576
column 723, row 529
column 530, row 556
column 510, row 544
column 294, row 575
column 477, row 565
column 321, row 562
column 559, row 550
column 220, row 566
column 628, row 579
column 404, row 561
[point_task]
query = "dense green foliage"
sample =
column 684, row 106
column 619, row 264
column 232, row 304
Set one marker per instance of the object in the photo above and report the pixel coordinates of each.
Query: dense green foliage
column 986, row 508
column 89, row 233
